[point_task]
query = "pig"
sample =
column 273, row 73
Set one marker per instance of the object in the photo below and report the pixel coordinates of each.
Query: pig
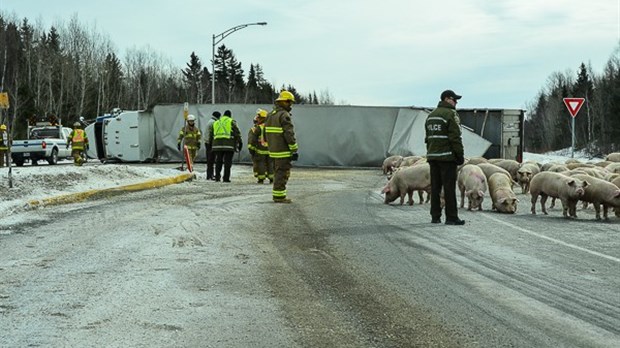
column 525, row 174
column 545, row 167
column 558, row 168
column 613, row 157
column 511, row 166
column 473, row 183
column 575, row 165
column 603, row 163
column 548, row 184
column 476, row 160
column 613, row 167
column 490, row 169
column 616, row 181
column 407, row 180
column 599, row 192
column 503, row 198
column 390, row 163
column 409, row 161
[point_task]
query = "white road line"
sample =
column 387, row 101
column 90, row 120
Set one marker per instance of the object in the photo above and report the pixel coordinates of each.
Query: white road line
column 608, row 257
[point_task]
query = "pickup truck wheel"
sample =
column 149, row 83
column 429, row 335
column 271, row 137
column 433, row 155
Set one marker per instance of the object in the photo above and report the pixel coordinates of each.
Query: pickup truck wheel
column 19, row 163
column 35, row 163
column 53, row 159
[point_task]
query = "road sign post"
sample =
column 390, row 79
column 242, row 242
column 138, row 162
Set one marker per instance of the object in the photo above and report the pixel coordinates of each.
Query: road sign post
column 573, row 105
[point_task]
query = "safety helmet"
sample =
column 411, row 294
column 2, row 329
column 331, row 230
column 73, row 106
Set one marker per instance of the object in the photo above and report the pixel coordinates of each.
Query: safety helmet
column 2, row 127
column 76, row 124
column 286, row 95
column 261, row 113
column 191, row 117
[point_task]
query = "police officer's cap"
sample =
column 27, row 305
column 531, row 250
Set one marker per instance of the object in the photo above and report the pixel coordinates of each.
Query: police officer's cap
column 448, row 93
column 216, row 114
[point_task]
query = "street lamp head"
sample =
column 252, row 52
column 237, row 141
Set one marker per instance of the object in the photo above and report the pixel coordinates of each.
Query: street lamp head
column 262, row 23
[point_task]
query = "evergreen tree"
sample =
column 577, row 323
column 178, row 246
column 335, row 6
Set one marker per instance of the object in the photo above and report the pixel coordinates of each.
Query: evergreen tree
column 205, row 83
column 230, row 86
column 193, row 79
column 583, row 88
column 252, row 89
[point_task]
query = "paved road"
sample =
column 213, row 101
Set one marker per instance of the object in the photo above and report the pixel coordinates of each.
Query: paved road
column 206, row 264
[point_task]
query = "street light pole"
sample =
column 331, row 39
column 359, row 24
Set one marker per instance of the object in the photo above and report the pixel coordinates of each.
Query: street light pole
column 217, row 39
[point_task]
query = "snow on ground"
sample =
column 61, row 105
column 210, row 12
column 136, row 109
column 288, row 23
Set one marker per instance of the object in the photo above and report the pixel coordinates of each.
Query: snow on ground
column 43, row 181
column 559, row 156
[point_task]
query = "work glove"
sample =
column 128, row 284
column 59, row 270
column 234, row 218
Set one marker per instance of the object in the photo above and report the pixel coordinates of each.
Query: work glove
column 459, row 160
column 67, row 146
column 240, row 146
column 294, row 156
column 252, row 152
column 179, row 146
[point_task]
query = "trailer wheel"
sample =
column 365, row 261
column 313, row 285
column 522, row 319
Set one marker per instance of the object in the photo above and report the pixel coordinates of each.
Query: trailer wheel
column 53, row 159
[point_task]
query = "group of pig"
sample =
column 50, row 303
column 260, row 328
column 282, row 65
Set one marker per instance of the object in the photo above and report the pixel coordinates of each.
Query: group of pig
column 570, row 182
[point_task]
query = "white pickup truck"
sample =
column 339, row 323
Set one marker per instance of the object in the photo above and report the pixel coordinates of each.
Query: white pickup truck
column 44, row 143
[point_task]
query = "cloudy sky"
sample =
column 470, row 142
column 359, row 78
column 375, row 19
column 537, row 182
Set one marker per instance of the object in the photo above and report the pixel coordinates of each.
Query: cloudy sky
column 368, row 52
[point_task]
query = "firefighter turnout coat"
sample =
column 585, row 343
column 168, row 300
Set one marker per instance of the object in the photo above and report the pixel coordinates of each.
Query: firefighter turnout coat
column 280, row 134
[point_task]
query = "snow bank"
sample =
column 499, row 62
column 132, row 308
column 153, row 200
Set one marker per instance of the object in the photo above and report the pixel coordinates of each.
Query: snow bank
column 38, row 182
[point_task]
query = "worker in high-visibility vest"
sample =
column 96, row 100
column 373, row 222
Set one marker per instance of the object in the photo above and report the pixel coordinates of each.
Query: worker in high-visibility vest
column 257, row 145
column 79, row 142
column 191, row 135
column 225, row 138
column 4, row 141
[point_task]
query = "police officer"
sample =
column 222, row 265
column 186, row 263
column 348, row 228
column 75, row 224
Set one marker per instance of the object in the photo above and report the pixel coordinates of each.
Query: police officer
column 281, row 143
column 444, row 152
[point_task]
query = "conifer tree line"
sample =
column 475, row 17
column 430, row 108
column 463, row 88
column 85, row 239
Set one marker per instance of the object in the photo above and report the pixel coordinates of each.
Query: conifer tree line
column 69, row 70
column 597, row 125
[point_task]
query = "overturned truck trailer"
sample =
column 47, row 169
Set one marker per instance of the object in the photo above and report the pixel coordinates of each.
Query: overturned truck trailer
column 328, row 135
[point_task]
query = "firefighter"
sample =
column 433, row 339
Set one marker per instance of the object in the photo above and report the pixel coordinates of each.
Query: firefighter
column 225, row 139
column 281, row 143
column 4, row 141
column 257, row 145
column 190, row 134
column 79, row 140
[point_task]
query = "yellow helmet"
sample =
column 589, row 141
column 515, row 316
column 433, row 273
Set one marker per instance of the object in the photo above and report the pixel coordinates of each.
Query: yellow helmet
column 286, row 95
column 261, row 113
column 2, row 127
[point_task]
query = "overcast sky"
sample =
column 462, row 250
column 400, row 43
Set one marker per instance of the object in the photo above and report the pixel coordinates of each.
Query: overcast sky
column 368, row 52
